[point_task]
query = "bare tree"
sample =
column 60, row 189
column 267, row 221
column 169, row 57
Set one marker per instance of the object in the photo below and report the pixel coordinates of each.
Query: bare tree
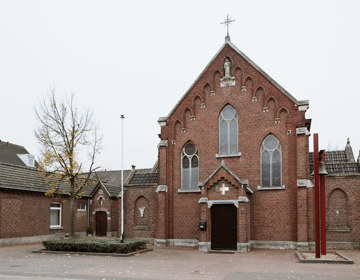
column 66, row 135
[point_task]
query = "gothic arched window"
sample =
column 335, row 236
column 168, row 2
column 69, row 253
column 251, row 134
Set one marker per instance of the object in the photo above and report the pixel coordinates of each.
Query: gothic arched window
column 228, row 131
column 189, row 167
column 270, row 162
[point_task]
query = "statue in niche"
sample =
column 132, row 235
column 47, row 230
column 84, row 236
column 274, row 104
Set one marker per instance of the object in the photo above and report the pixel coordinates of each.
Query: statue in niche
column 227, row 65
column 142, row 210
column 227, row 80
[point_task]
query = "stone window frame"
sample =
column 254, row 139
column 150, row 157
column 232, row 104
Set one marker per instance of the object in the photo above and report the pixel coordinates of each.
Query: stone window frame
column 183, row 155
column 56, row 206
column 222, row 119
column 262, row 149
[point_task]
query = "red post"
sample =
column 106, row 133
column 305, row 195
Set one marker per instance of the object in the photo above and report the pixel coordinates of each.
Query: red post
column 316, row 196
column 322, row 203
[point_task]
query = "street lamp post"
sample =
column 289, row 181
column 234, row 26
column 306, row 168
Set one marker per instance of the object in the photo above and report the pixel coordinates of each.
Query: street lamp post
column 122, row 179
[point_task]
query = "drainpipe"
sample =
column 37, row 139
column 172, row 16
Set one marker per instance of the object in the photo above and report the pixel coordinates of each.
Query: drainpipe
column 88, row 214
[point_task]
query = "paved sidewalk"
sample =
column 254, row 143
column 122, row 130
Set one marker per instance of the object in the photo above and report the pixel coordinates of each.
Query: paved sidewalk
column 18, row 262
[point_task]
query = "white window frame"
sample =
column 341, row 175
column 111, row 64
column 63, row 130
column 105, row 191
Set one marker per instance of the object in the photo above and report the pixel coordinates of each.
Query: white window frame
column 183, row 155
column 262, row 149
column 80, row 208
column 56, row 206
column 228, row 153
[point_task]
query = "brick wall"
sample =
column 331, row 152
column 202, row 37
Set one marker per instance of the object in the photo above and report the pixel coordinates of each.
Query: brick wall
column 343, row 208
column 136, row 197
column 25, row 214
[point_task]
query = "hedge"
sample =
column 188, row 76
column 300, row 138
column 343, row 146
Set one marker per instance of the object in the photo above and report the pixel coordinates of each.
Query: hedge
column 95, row 245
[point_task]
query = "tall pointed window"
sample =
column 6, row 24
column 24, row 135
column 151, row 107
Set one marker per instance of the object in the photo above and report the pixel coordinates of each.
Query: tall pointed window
column 270, row 162
column 189, row 167
column 228, row 131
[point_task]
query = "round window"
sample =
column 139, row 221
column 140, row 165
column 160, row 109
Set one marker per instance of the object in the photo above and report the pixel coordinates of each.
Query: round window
column 228, row 112
column 270, row 142
column 190, row 149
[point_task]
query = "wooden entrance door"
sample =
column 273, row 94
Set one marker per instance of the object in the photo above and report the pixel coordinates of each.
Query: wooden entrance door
column 223, row 227
column 101, row 223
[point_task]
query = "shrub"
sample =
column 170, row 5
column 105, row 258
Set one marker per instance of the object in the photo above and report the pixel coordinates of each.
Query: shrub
column 90, row 230
column 95, row 245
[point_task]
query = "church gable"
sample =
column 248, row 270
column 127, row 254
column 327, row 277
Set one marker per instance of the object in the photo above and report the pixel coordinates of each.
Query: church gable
column 232, row 74
column 223, row 184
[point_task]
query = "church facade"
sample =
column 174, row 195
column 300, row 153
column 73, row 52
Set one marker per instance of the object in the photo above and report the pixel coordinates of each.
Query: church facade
column 233, row 160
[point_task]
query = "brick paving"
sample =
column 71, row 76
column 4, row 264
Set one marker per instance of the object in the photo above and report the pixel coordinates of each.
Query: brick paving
column 18, row 262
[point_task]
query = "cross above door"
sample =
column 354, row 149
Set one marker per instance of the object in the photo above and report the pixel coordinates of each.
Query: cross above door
column 223, row 189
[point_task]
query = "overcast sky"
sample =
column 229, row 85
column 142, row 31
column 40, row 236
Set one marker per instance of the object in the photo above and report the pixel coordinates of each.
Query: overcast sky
column 138, row 58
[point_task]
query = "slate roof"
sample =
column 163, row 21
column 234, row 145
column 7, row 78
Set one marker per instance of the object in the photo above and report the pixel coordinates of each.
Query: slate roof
column 112, row 177
column 144, row 177
column 9, row 151
column 114, row 190
column 23, row 178
column 337, row 163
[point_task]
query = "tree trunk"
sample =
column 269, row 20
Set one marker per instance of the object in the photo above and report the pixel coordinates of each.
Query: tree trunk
column 72, row 216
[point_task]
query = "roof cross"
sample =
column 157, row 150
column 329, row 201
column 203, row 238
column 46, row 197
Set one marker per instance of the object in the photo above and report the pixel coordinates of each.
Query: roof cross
column 227, row 22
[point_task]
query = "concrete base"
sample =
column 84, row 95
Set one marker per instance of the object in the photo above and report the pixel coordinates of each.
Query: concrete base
column 30, row 239
column 176, row 242
column 285, row 245
column 303, row 246
column 342, row 245
column 257, row 244
column 204, row 246
column 243, row 247
column 328, row 258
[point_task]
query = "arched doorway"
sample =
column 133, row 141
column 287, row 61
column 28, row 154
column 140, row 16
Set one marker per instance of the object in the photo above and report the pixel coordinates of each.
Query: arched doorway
column 101, row 223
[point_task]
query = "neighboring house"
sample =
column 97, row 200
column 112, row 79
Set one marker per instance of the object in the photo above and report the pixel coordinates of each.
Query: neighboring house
column 16, row 154
column 26, row 214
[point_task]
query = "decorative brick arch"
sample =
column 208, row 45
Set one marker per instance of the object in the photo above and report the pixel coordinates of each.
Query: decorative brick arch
column 338, row 210
column 178, row 128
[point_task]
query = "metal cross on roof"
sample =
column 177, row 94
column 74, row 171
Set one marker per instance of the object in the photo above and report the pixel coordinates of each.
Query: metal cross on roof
column 227, row 22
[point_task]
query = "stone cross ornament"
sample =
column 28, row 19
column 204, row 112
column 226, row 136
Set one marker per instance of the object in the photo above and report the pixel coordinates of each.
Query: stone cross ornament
column 223, row 189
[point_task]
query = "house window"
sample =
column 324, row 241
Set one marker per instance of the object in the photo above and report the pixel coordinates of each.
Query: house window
column 228, row 131
column 271, row 162
column 55, row 215
column 101, row 201
column 189, row 167
column 81, row 207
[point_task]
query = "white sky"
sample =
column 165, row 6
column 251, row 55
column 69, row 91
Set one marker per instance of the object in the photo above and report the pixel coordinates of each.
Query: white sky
column 138, row 58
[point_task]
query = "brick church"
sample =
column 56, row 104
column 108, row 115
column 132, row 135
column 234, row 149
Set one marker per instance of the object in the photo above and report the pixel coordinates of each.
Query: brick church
column 233, row 173
column 233, row 165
